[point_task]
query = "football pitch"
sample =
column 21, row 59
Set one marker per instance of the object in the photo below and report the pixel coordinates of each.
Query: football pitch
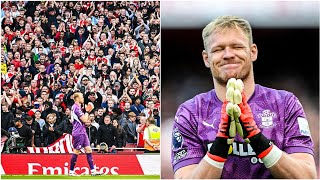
column 80, row 177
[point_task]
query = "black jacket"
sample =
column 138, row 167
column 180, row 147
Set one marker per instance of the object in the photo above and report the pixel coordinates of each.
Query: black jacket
column 92, row 134
column 67, row 99
column 51, row 136
column 25, row 132
column 65, row 126
column 6, row 120
column 121, row 137
column 34, row 126
column 107, row 134
column 99, row 119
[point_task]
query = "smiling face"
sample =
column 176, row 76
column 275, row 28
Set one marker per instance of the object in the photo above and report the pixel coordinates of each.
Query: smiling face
column 50, row 119
column 229, row 53
column 115, row 123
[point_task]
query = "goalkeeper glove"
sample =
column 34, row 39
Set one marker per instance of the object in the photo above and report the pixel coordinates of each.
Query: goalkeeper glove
column 218, row 152
column 261, row 145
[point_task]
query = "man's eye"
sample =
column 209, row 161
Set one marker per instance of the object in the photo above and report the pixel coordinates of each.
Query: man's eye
column 238, row 47
column 216, row 50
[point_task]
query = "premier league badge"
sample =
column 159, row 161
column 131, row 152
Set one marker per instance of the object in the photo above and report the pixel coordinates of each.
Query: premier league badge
column 177, row 139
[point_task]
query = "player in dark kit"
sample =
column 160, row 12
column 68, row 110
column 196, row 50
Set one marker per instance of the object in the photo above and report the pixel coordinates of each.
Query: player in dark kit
column 79, row 135
column 273, row 120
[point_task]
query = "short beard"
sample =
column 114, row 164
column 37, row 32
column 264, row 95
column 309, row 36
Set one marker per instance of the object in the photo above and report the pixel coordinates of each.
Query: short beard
column 223, row 80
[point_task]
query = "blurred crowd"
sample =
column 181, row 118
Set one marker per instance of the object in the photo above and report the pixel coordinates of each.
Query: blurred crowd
column 108, row 50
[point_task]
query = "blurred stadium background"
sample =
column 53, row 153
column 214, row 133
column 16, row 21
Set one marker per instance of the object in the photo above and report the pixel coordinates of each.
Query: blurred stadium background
column 287, row 36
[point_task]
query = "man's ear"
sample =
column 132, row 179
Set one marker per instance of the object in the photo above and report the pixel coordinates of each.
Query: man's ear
column 205, row 58
column 254, row 52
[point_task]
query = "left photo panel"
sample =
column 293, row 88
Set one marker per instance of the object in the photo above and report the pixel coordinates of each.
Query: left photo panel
column 80, row 89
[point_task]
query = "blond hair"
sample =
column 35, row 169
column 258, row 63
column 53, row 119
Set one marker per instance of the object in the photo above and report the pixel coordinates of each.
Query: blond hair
column 77, row 94
column 53, row 115
column 225, row 22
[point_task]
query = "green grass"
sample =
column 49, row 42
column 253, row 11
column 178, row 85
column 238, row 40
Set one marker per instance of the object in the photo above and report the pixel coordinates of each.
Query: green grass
column 80, row 177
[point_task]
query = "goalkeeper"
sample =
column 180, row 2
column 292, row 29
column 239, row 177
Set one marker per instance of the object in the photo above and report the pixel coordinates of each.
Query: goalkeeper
column 278, row 142
column 79, row 135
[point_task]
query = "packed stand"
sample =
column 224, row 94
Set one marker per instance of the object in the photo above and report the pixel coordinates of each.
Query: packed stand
column 109, row 51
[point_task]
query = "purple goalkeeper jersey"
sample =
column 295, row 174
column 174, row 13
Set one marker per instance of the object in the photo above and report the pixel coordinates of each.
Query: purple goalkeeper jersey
column 277, row 113
column 78, row 126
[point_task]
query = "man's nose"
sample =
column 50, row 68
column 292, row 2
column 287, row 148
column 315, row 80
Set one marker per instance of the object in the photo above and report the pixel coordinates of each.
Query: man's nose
column 228, row 53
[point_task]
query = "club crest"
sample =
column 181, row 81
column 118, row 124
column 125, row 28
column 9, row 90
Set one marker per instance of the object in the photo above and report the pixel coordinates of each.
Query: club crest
column 267, row 118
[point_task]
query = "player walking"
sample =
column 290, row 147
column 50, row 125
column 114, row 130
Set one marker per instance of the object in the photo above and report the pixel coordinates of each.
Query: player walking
column 79, row 135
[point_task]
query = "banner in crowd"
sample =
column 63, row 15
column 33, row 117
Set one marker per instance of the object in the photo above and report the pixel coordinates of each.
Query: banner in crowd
column 3, row 68
column 61, row 145
column 42, row 164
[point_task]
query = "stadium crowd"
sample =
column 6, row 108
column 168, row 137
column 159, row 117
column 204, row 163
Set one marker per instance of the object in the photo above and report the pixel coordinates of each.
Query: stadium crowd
column 108, row 50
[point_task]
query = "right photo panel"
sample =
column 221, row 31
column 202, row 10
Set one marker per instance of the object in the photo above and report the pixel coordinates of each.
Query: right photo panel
column 240, row 89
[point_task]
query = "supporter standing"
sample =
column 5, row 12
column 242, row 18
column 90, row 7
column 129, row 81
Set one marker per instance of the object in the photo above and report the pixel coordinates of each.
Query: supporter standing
column 140, row 130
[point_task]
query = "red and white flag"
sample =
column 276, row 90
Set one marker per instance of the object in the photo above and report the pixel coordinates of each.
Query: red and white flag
column 61, row 145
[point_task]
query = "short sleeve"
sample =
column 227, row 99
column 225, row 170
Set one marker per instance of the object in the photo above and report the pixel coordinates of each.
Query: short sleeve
column 78, row 112
column 186, row 148
column 297, row 137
